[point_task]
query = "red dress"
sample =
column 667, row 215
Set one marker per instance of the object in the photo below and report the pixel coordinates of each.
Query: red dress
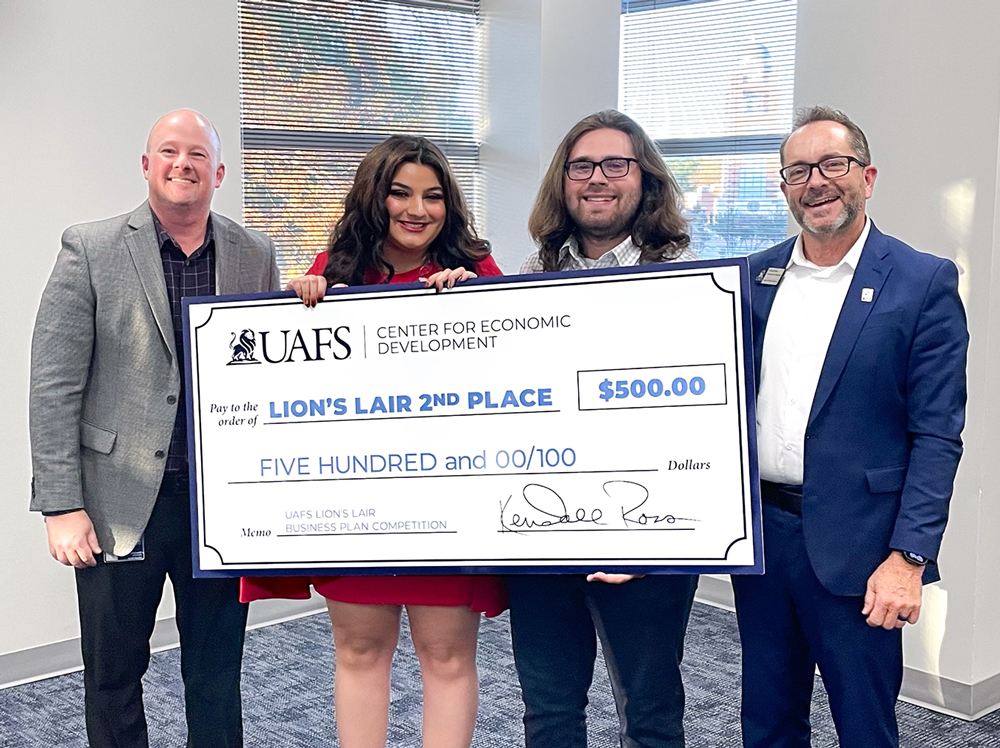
column 481, row 593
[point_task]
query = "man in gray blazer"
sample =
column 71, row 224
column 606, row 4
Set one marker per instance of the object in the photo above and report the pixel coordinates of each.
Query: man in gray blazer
column 109, row 434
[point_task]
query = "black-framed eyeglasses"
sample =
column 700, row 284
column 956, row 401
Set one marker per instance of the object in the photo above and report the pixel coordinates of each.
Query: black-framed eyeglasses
column 612, row 168
column 831, row 168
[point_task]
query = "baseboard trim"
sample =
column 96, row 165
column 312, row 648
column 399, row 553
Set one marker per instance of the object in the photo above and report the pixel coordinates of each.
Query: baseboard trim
column 716, row 590
column 60, row 658
column 962, row 700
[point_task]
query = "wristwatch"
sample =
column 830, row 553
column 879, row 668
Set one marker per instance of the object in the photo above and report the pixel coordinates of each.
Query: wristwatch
column 914, row 558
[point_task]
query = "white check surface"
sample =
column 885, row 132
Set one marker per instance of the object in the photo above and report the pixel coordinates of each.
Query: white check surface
column 513, row 424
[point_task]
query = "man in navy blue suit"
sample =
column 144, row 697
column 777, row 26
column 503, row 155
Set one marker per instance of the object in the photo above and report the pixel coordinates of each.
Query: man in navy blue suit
column 860, row 348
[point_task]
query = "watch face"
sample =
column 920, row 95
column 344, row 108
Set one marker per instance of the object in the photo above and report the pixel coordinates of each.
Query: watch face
column 915, row 558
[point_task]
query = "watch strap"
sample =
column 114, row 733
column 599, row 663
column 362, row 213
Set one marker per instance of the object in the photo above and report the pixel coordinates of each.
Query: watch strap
column 914, row 558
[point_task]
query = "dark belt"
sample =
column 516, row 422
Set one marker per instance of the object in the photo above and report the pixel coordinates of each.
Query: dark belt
column 782, row 495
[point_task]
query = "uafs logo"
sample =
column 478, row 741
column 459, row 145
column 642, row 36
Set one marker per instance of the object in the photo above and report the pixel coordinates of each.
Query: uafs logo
column 288, row 347
column 243, row 350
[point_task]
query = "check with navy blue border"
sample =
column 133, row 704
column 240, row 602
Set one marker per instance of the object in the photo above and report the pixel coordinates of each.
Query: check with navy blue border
column 566, row 422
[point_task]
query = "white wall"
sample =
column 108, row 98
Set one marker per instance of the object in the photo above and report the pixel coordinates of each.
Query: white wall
column 579, row 71
column 510, row 151
column 549, row 63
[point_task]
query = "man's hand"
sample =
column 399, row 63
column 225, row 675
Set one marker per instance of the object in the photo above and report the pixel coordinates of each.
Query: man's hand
column 72, row 540
column 310, row 288
column 893, row 597
column 600, row 576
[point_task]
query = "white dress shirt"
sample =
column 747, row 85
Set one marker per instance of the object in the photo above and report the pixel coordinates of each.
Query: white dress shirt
column 799, row 327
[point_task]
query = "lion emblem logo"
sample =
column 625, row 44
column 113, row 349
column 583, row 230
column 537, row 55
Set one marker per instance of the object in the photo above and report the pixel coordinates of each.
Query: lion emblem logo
column 243, row 348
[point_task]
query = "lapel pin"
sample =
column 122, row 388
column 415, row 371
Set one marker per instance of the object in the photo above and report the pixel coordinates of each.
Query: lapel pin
column 867, row 294
column 770, row 277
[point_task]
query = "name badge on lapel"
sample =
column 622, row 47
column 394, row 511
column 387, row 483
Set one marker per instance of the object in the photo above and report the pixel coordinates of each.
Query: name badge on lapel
column 770, row 277
column 867, row 295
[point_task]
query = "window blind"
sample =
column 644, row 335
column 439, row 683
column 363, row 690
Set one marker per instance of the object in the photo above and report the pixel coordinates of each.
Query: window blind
column 323, row 81
column 712, row 82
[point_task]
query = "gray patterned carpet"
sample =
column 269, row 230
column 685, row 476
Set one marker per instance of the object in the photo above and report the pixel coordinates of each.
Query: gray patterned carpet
column 288, row 687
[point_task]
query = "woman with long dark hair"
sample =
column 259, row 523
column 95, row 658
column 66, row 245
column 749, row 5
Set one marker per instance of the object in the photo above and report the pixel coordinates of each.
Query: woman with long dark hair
column 405, row 219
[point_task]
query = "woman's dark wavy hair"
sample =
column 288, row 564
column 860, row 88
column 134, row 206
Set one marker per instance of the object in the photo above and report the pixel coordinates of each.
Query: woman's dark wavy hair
column 357, row 240
column 659, row 229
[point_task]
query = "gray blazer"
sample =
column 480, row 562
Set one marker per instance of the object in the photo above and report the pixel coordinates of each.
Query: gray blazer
column 104, row 374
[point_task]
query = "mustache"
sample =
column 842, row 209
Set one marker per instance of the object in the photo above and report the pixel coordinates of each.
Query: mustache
column 815, row 195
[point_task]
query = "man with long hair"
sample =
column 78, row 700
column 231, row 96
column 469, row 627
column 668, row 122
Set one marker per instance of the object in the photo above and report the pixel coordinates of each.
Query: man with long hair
column 608, row 200
column 586, row 217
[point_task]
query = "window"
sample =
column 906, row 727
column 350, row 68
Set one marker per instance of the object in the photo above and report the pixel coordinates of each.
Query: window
column 711, row 82
column 323, row 81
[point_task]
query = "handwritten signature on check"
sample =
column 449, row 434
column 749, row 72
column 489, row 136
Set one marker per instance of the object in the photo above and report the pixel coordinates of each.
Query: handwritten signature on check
column 540, row 508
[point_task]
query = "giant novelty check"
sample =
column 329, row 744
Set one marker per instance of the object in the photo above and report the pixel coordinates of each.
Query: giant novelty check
column 577, row 421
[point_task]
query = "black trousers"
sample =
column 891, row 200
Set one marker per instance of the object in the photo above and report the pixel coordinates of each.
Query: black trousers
column 789, row 624
column 118, row 605
column 554, row 622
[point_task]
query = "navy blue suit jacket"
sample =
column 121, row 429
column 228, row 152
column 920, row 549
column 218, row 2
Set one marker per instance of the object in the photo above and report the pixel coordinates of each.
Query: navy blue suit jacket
column 883, row 439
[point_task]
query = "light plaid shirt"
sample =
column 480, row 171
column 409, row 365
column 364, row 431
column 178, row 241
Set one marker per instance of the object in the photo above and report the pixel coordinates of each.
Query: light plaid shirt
column 625, row 254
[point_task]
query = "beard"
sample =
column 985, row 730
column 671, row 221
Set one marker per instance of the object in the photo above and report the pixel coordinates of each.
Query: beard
column 610, row 226
column 853, row 204
column 605, row 230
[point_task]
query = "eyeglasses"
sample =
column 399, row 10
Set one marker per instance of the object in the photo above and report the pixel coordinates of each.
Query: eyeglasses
column 612, row 168
column 831, row 168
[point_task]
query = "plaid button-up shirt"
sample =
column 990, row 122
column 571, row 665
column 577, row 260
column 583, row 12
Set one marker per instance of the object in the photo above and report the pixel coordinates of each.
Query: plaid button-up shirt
column 625, row 254
column 185, row 276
